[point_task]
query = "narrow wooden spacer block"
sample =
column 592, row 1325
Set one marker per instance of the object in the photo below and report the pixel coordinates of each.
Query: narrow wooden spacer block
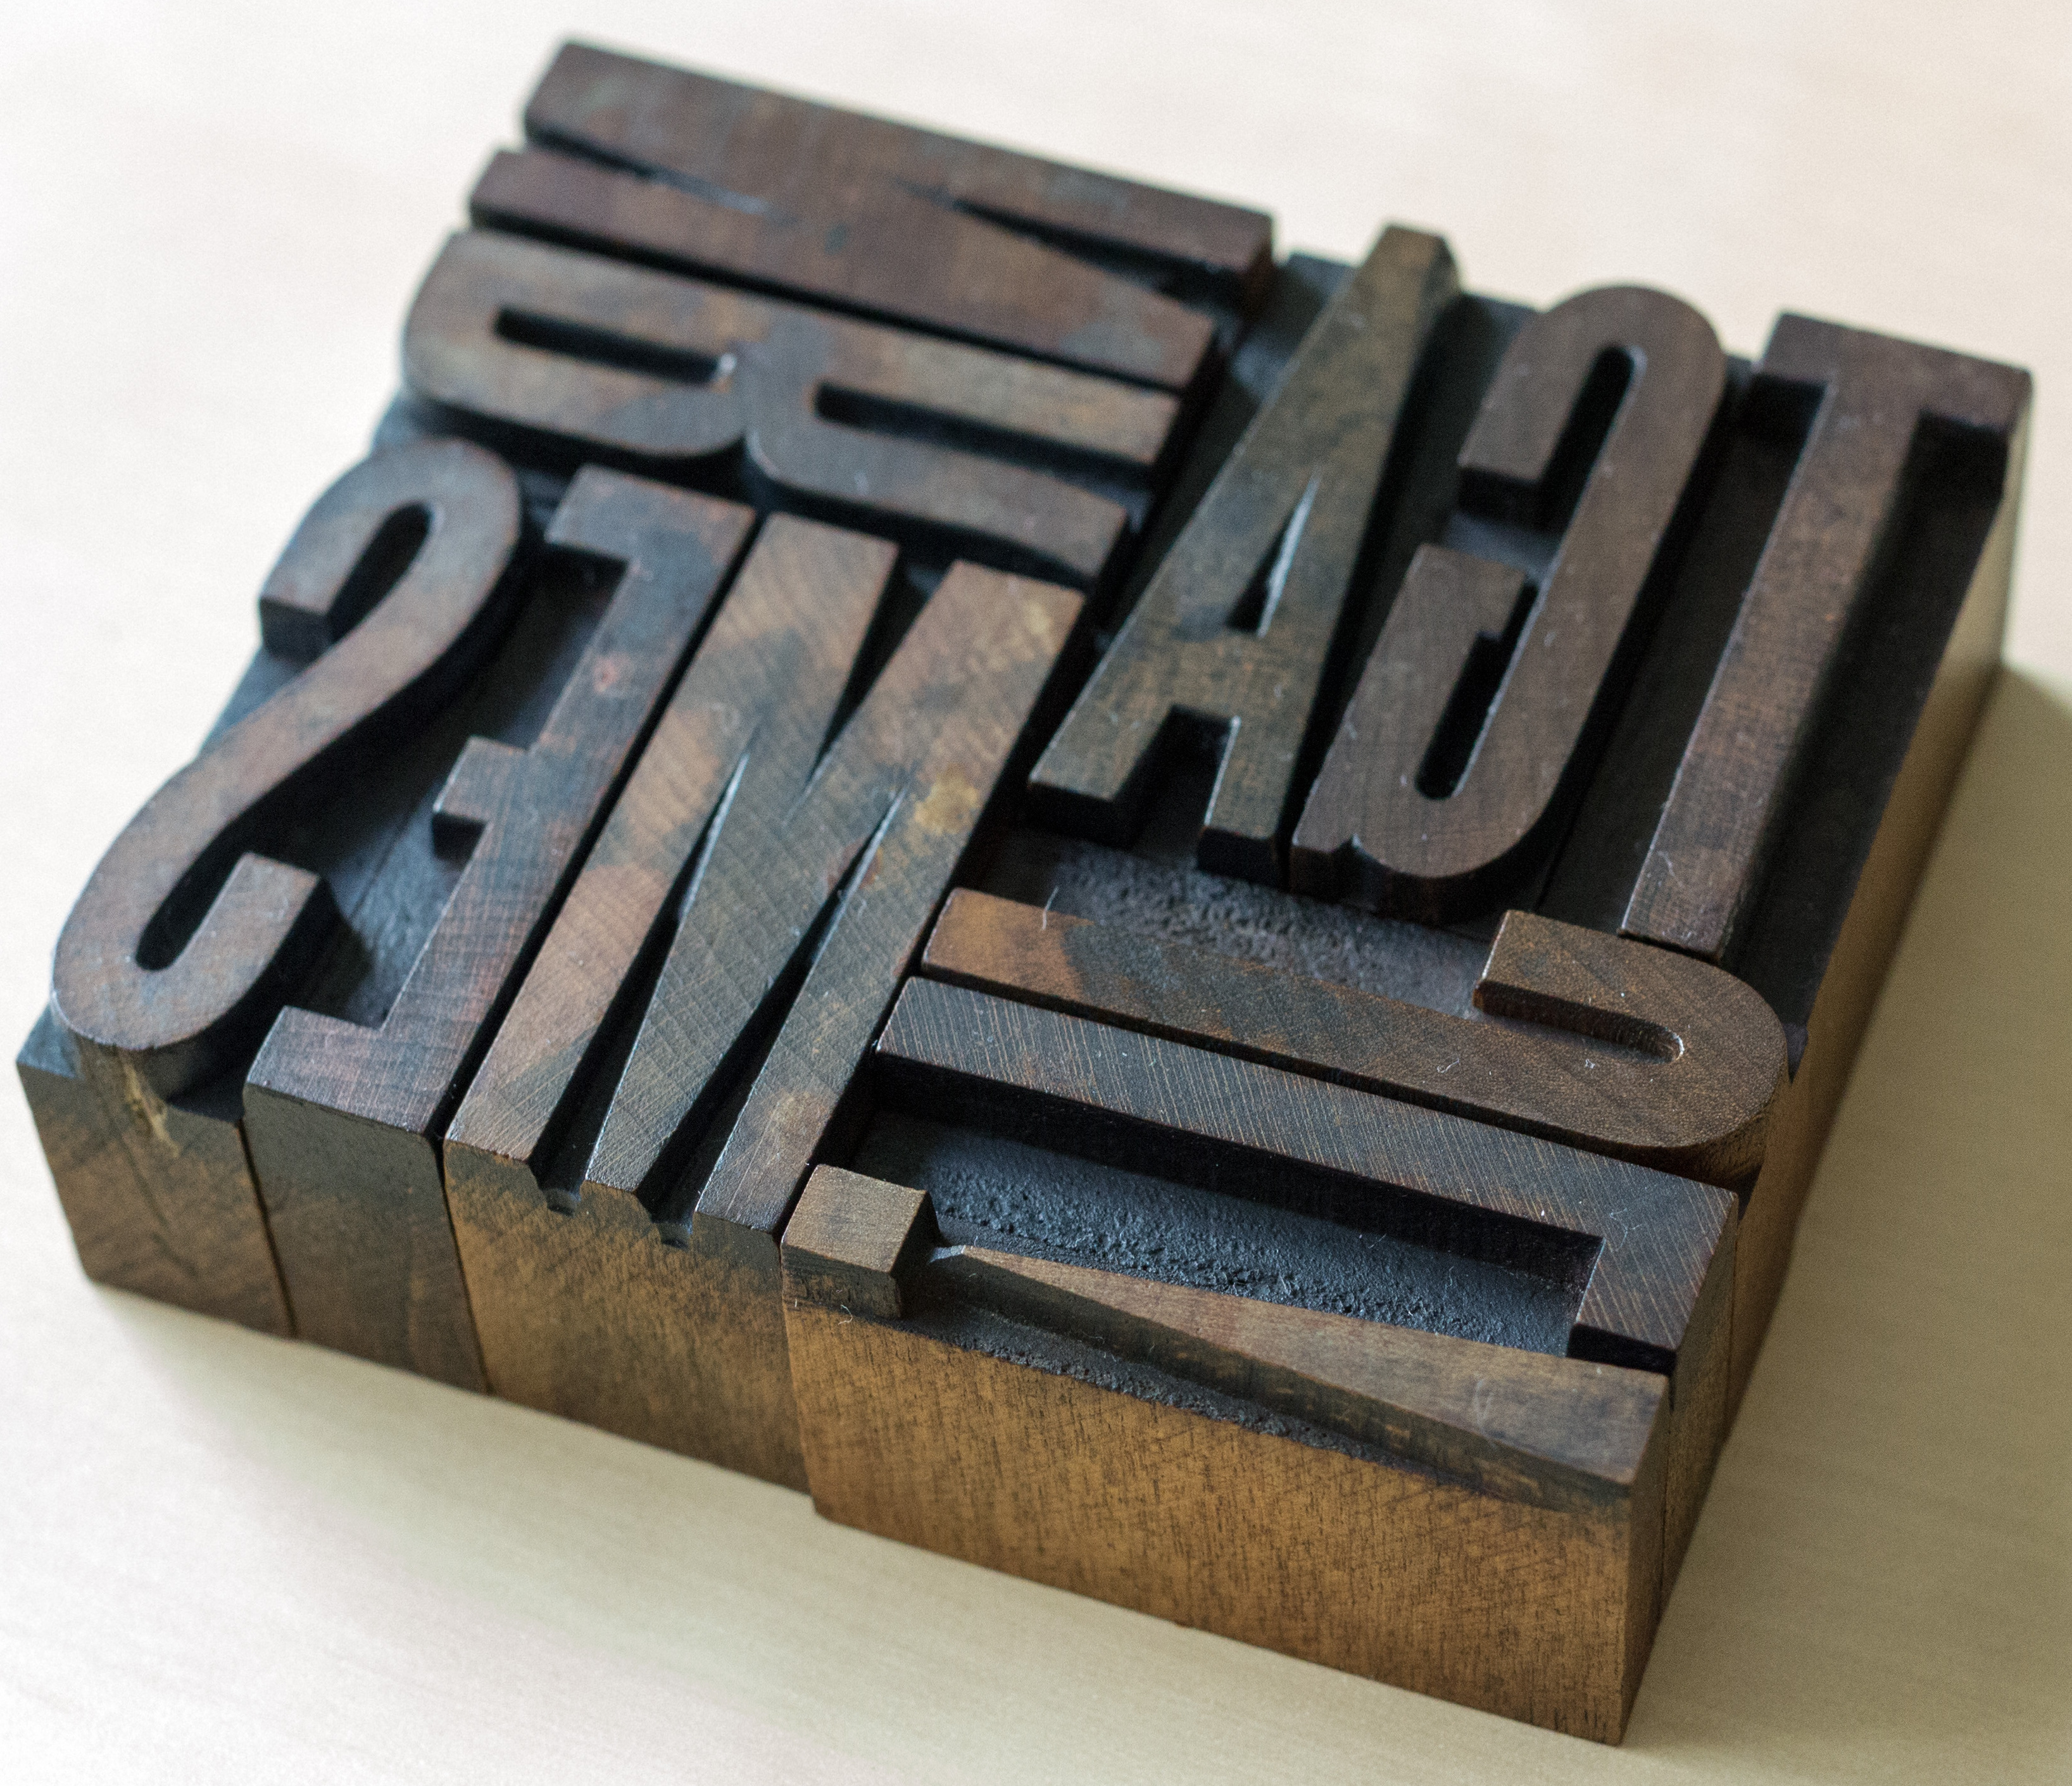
column 850, row 1240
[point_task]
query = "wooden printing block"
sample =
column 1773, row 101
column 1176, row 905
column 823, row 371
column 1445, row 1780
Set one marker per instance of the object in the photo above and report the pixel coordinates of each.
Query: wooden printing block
column 1325, row 1172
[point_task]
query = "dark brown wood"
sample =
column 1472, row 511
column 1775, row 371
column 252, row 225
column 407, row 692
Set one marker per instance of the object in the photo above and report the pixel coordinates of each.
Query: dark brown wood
column 1877, row 400
column 591, row 357
column 1531, row 1428
column 342, row 1117
column 191, row 931
column 1233, row 631
column 631, row 1279
column 1664, row 1061
column 157, row 1191
column 1520, row 1505
column 1652, row 1236
column 171, row 955
column 879, row 218
column 852, row 1239
column 582, row 1305
column 1350, row 1315
column 766, row 684
column 1462, row 747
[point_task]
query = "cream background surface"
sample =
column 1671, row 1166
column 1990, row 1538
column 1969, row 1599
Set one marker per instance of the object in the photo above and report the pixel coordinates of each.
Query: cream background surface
column 224, row 1557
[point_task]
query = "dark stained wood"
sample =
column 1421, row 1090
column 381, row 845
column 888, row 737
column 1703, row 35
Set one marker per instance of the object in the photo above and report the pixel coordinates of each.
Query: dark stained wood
column 1937, row 724
column 1234, row 630
column 1655, row 1235
column 1136, row 1267
column 1495, row 1531
column 1395, row 1574
column 341, row 1118
column 852, row 1239
column 157, row 1191
column 1695, row 1062
column 1473, row 717
column 1551, row 1432
column 582, row 1305
column 764, row 684
column 172, row 952
column 806, row 832
column 1876, row 398
column 190, row 933
column 590, row 356
column 636, row 1284
column 880, row 218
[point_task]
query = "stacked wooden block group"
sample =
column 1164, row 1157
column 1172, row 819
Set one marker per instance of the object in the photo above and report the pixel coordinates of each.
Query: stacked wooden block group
column 1183, row 923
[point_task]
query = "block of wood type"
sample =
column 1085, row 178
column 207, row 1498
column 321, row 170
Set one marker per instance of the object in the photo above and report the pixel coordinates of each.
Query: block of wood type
column 254, row 875
column 682, row 1049
column 1202, row 1130
column 342, row 1116
column 1247, row 1371
column 548, row 352
column 1233, row 631
column 1185, row 925
column 983, row 354
column 1656, row 1058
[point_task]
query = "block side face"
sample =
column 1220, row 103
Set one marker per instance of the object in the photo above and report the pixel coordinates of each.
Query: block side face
column 1391, row 1573
column 1698, row 1413
column 592, row 1316
column 1868, row 937
column 160, row 1198
column 360, row 1223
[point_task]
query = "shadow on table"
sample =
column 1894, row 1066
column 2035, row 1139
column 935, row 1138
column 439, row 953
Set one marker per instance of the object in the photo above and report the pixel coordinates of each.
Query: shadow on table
column 1883, row 1572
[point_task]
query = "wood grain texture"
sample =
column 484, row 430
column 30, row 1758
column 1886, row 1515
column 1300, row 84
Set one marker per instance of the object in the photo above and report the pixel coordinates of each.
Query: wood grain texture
column 1877, row 400
column 1651, row 1237
column 583, row 357
column 851, row 1241
column 192, row 932
column 342, row 1118
column 177, row 947
column 584, row 1305
column 1696, row 1060
column 880, row 218
column 1234, row 630
column 750, row 711
column 1485, row 698
column 1384, row 1569
column 636, row 1284
column 1909, row 820
column 158, row 1193
column 689, row 1047
column 971, row 1439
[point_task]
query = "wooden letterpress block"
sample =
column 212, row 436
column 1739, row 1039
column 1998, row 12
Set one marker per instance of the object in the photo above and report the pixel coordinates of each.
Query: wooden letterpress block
column 683, row 1048
column 617, row 1201
column 1292, row 1119
column 342, row 1116
column 680, row 170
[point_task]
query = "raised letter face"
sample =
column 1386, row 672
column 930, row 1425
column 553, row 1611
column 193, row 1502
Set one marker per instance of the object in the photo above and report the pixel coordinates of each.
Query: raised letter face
column 1484, row 696
column 877, row 218
column 1879, row 404
column 586, row 356
column 184, row 942
column 342, row 1116
column 1234, row 631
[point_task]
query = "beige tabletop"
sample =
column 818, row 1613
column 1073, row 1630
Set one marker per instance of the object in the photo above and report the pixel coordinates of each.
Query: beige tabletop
column 225, row 1558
